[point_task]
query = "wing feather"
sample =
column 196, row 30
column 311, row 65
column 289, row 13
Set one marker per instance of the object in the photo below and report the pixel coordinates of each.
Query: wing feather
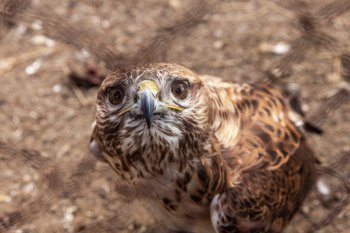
column 252, row 124
column 270, row 166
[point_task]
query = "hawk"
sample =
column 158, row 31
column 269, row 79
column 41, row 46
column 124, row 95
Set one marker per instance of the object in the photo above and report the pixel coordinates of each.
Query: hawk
column 202, row 154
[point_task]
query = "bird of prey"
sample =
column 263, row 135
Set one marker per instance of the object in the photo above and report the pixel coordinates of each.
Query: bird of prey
column 202, row 154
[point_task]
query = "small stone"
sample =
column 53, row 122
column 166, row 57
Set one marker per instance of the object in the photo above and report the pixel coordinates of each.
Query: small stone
column 306, row 209
column 33, row 114
column 57, row 88
column 293, row 89
column 5, row 198
column 37, row 25
column 265, row 47
column 176, row 4
column 334, row 77
column 281, row 48
column 29, row 188
column 69, row 114
column 34, row 67
column 69, row 217
column 68, row 213
column 305, row 107
column 43, row 40
column 218, row 45
column 20, row 31
column 323, row 188
column 26, row 178
column 17, row 135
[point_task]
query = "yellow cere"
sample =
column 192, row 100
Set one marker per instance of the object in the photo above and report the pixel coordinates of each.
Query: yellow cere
column 149, row 84
column 124, row 111
column 178, row 108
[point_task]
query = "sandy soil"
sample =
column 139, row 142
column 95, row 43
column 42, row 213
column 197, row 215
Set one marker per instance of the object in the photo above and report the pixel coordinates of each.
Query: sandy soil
column 40, row 110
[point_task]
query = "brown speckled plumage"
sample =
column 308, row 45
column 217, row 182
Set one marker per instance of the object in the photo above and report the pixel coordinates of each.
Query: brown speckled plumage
column 222, row 157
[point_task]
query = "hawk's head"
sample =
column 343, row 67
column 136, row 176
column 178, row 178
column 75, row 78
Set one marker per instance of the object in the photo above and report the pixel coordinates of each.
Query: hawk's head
column 150, row 112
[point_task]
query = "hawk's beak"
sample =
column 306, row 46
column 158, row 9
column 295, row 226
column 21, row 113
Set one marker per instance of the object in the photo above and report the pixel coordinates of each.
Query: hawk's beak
column 147, row 106
column 147, row 91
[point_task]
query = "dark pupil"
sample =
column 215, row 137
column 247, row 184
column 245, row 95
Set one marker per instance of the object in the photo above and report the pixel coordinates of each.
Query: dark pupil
column 118, row 95
column 179, row 89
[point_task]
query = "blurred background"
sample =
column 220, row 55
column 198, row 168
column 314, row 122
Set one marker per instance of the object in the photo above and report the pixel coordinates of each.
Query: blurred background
column 54, row 54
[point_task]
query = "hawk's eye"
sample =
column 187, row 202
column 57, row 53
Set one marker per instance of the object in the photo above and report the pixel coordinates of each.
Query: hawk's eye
column 116, row 95
column 179, row 89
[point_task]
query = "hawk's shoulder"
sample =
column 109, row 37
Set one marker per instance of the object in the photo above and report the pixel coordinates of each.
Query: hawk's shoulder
column 252, row 123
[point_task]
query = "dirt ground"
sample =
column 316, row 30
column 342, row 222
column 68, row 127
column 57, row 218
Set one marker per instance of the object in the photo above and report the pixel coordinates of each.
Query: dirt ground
column 41, row 110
